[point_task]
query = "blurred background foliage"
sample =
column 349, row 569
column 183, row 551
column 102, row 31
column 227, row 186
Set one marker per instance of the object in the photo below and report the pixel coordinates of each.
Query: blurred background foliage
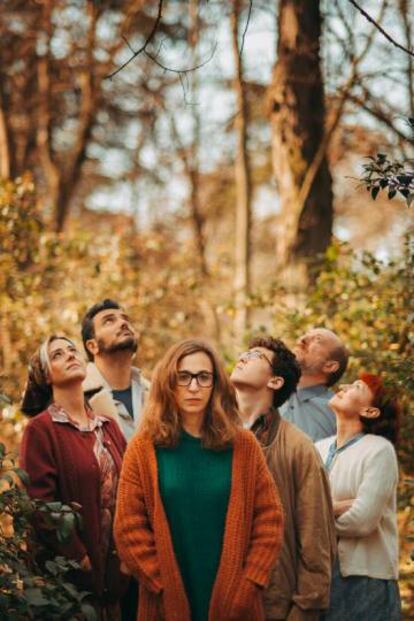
column 48, row 280
column 217, row 202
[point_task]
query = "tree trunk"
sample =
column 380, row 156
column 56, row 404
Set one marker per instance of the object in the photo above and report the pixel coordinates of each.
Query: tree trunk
column 243, row 187
column 4, row 143
column 192, row 163
column 406, row 11
column 89, row 88
column 298, row 116
column 51, row 172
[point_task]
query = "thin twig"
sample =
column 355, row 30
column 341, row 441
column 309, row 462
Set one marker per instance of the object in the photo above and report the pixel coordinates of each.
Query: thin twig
column 381, row 30
column 143, row 47
column 128, row 44
column 249, row 14
column 182, row 71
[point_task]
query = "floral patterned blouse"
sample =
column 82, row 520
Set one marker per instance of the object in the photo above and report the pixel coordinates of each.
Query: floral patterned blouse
column 107, row 469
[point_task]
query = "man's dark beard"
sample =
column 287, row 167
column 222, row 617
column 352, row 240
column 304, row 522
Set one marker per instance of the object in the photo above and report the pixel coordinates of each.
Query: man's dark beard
column 129, row 344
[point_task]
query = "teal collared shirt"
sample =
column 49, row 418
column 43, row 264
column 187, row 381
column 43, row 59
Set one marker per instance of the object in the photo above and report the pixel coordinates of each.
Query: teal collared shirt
column 308, row 409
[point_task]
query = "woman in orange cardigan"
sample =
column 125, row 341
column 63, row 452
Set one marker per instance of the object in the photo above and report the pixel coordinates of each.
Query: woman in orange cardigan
column 198, row 518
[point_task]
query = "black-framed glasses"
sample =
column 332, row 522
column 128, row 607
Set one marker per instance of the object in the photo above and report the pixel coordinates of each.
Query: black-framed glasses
column 204, row 378
column 253, row 354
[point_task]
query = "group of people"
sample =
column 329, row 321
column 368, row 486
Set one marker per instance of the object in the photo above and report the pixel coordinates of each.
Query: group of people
column 204, row 497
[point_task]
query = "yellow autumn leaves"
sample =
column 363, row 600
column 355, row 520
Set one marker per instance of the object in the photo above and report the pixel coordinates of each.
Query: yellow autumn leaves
column 8, row 479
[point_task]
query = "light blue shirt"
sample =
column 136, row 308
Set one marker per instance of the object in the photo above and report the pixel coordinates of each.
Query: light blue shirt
column 308, row 409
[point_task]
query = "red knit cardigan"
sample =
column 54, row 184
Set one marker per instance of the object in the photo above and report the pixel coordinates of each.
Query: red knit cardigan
column 251, row 545
column 61, row 463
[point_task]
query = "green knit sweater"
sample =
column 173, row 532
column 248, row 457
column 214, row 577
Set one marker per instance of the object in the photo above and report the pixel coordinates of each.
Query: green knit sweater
column 195, row 488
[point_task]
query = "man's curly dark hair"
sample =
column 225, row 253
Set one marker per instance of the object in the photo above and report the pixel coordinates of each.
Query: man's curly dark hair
column 284, row 365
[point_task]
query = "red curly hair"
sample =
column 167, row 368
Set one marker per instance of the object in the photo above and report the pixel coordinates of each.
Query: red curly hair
column 387, row 424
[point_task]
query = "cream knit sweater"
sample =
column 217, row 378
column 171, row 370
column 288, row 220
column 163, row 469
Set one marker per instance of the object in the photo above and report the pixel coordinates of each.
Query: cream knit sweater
column 368, row 535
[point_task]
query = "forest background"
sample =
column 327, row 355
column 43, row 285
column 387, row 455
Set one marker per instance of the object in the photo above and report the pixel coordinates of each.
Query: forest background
column 201, row 162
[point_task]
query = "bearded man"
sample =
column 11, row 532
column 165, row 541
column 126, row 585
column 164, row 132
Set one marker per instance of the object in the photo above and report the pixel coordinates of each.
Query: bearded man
column 113, row 386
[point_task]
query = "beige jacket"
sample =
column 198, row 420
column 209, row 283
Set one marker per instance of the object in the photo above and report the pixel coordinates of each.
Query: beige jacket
column 300, row 583
column 101, row 400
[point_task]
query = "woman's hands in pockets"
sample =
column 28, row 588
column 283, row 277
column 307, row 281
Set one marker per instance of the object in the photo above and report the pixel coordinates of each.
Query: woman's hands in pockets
column 246, row 601
column 85, row 563
column 124, row 569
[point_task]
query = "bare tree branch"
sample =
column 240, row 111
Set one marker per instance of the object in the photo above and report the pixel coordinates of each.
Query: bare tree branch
column 380, row 29
column 249, row 14
column 182, row 71
column 143, row 47
column 374, row 107
column 154, row 58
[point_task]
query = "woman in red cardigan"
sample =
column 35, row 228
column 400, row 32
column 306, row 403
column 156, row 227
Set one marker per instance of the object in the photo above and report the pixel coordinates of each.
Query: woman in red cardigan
column 198, row 518
column 72, row 455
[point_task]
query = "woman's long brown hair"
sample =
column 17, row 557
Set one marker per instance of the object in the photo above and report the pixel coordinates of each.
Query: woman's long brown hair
column 161, row 420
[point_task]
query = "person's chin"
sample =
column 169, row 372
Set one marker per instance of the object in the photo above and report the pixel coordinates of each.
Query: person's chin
column 335, row 400
column 195, row 409
column 127, row 343
column 236, row 374
column 74, row 376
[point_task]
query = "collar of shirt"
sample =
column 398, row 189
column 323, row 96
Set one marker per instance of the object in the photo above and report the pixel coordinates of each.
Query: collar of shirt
column 266, row 425
column 60, row 415
column 95, row 380
column 334, row 451
column 310, row 392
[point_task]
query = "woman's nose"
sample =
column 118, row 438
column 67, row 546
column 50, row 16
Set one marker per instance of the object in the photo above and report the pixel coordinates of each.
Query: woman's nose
column 193, row 385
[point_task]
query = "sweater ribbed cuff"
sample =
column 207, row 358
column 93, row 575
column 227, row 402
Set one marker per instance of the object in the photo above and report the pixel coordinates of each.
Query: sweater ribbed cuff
column 257, row 575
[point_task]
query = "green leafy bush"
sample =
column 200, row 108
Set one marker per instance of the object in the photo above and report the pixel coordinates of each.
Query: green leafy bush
column 33, row 582
column 393, row 177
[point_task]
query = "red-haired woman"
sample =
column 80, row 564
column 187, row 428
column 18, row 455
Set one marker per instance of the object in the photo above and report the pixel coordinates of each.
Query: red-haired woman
column 198, row 517
column 73, row 455
column 363, row 473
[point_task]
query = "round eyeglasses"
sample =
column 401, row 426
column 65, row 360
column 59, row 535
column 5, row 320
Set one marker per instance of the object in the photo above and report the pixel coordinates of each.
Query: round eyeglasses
column 204, row 378
column 253, row 354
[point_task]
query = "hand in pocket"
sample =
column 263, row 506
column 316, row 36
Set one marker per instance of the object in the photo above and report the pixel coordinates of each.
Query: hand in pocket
column 160, row 608
column 85, row 563
column 243, row 605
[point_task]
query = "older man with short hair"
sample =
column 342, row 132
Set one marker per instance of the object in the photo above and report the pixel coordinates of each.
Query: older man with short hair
column 323, row 359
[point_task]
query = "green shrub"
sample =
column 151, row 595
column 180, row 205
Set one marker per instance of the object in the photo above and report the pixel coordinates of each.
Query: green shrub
column 33, row 582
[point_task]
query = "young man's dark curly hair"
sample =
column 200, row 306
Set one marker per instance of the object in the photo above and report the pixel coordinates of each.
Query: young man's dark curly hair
column 284, row 364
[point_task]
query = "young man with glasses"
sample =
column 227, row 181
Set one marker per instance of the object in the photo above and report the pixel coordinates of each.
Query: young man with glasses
column 264, row 377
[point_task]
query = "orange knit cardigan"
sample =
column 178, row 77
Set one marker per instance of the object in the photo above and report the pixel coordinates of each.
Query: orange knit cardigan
column 251, row 545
